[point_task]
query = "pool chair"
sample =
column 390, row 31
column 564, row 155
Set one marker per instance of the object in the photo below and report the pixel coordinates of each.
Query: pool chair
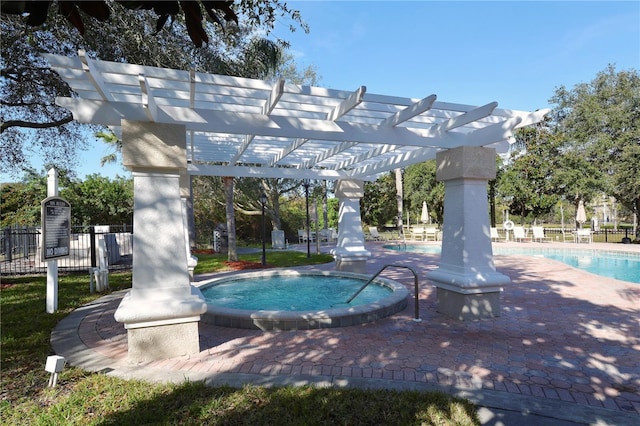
column 583, row 236
column 375, row 235
column 302, row 236
column 431, row 233
column 328, row 234
column 417, row 233
column 519, row 234
column 568, row 236
column 538, row 234
column 495, row 237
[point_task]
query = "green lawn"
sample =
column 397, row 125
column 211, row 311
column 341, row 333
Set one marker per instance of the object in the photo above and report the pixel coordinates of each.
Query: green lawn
column 90, row 398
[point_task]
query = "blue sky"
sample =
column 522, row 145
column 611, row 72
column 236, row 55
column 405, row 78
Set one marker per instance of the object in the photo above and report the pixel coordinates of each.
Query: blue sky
column 475, row 52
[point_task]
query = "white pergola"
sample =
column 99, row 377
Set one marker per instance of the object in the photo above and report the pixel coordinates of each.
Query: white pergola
column 175, row 123
column 256, row 128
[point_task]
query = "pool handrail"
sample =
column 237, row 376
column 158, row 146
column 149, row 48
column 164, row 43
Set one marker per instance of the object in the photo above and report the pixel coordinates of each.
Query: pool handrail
column 416, row 317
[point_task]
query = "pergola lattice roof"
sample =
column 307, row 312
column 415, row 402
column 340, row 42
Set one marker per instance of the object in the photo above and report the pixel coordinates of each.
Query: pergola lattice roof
column 247, row 127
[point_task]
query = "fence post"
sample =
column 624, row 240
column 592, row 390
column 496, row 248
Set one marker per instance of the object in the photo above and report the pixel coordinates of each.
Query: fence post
column 92, row 245
column 25, row 242
column 7, row 244
column 606, row 239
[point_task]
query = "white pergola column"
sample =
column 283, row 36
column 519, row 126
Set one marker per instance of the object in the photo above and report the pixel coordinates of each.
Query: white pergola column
column 468, row 286
column 350, row 253
column 162, row 310
column 185, row 195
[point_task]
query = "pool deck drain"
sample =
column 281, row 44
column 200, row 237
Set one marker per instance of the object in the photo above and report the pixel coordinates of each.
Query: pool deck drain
column 565, row 350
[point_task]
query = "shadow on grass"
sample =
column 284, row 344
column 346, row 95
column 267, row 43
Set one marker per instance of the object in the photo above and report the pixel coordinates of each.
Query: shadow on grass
column 195, row 403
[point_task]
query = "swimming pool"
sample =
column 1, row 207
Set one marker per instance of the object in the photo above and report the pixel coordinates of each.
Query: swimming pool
column 622, row 266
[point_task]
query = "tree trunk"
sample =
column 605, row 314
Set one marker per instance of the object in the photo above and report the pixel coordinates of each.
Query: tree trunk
column 399, row 198
column 636, row 228
column 325, row 213
column 492, row 202
column 274, row 217
column 231, row 219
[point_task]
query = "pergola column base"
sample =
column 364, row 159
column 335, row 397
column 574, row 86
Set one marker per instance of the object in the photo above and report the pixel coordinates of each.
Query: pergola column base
column 468, row 307
column 468, row 295
column 161, row 326
column 352, row 263
column 167, row 341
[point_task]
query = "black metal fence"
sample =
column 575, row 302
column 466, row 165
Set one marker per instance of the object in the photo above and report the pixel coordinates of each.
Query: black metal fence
column 601, row 236
column 20, row 249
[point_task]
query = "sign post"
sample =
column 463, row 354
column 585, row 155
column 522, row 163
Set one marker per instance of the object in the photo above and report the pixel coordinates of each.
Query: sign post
column 56, row 236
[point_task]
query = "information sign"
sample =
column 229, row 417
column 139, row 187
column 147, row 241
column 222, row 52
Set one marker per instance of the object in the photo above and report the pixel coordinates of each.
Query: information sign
column 56, row 228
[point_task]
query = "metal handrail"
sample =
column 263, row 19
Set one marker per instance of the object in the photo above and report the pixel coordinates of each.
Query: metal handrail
column 415, row 284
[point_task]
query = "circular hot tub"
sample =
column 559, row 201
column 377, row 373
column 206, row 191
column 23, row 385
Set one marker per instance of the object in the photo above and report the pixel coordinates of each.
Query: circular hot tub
column 293, row 300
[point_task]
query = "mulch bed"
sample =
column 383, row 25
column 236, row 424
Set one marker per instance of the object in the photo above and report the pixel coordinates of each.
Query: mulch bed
column 240, row 265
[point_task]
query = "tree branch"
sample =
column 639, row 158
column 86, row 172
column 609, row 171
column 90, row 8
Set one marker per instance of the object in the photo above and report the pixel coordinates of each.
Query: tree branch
column 19, row 104
column 31, row 125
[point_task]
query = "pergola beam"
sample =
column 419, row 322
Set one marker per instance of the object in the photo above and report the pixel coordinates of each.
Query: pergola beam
column 481, row 137
column 269, row 172
column 338, row 111
column 409, row 112
column 147, row 100
column 94, row 76
column 269, row 105
column 466, row 118
column 202, row 120
column 416, row 109
column 258, row 125
column 399, row 117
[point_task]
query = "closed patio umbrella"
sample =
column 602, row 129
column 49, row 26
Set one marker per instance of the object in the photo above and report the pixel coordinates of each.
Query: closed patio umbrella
column 581, row 214
column 424, row 217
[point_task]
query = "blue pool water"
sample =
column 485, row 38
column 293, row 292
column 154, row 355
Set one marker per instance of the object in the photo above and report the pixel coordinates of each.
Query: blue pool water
column 618, row 265
column 275, row 293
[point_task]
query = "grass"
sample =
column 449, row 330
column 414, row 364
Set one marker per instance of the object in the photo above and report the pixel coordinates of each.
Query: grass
column 276, row 259
column 90, row 398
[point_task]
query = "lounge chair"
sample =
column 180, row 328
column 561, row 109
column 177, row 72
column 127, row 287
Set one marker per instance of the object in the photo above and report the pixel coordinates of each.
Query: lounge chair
column 583, row 236
column 431, row 233
column 495, row 237
column 538, row 234
column 375, row 235
column 302, row 236
column 519, row 234
column 417, row 233
column 328, row 234
column 568, row 236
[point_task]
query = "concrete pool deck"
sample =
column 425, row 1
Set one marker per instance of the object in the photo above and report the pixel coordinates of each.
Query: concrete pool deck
column 565, row 350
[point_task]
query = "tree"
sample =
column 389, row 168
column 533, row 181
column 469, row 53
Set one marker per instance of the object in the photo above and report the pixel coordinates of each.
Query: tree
column 28, row 86
column 599, row 123
column 96, row 200
column 258, row 13
column 100, row 200
column 378, row 206
column 526, row 182
column 20, row 201
column 420, row 185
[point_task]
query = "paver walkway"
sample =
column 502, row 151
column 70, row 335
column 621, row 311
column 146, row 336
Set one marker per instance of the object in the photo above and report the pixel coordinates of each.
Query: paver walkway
column 566, row 346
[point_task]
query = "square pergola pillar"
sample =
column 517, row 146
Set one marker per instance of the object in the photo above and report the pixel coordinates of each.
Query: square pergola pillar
column 468, row 285
column 162, row 310
column 350, row 253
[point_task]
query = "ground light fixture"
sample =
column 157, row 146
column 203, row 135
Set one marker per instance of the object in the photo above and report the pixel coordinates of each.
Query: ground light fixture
column 263, row 201
column 54, row 365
